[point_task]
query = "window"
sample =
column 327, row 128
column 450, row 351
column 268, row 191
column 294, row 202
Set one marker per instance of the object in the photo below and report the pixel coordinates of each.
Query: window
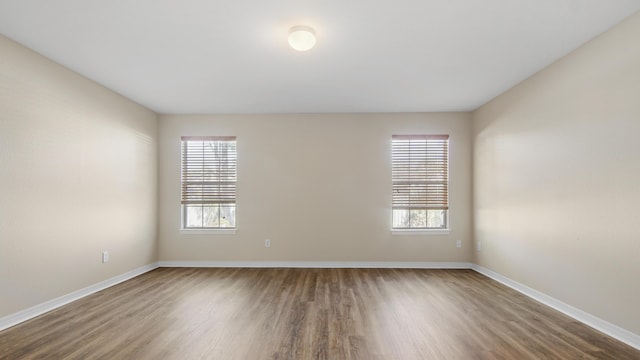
column 208, row 182
column 420, row 178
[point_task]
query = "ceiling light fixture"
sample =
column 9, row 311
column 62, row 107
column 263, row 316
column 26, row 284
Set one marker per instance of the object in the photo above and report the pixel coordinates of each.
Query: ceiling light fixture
column 302, row 38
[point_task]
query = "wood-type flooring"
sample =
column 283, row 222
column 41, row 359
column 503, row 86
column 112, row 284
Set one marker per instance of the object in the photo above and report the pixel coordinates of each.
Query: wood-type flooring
column 233, row 313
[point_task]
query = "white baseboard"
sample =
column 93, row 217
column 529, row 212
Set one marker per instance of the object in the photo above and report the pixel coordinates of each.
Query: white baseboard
column 608, row 328
column 27, row 314
column 317, row 264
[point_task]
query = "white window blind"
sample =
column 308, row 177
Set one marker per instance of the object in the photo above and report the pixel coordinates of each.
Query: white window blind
column 209, row 176
column 209, row 170
column 420, row 172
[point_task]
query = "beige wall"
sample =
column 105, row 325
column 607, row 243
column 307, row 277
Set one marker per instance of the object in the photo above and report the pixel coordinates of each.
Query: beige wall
column 78, row 175
column 557, row 179
column 318, row 186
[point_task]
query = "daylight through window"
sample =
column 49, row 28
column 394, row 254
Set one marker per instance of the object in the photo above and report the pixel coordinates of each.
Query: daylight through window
column 420, row 178
column 208, row 182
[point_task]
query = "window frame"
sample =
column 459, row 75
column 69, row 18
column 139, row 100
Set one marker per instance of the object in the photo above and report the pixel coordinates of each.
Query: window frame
column 186, row 195
column 399, row 155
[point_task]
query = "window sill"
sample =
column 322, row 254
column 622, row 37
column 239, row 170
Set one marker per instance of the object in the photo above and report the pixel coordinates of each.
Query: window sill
column 420, row 231
column 208, row 231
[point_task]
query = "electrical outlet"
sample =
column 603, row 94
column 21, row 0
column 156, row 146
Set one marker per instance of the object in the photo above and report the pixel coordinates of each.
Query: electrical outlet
column 267, row 243
column 479, row 245
column 105, row 257
column 458, row 243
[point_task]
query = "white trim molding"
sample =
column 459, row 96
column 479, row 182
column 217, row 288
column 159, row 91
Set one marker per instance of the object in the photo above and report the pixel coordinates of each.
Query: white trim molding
column 27, row 314
column 608, row 328
column 420, row 231
column 221, row 231
column 318, row 264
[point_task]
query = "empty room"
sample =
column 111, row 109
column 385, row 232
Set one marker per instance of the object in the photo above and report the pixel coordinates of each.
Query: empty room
column 418, row 179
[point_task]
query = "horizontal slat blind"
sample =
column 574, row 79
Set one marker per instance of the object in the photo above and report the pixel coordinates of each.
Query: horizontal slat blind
column 420, row 172
column 209, row 170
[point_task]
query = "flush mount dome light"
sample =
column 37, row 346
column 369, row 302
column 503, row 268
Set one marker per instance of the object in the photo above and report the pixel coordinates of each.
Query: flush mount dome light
column 302, row 38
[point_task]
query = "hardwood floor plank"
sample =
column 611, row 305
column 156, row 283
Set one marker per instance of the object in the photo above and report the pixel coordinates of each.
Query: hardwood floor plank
column 187, row 313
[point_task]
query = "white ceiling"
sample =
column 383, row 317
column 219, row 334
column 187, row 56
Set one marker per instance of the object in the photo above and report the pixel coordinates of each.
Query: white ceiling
column 214, row 56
